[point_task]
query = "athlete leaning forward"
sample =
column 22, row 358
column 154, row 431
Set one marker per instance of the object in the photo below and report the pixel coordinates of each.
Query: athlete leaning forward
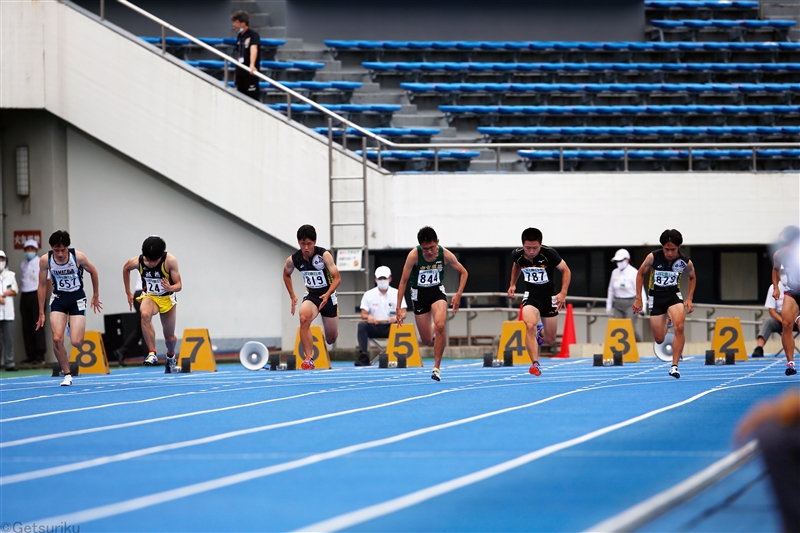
column 537, row 264
column 68, row 301
column 160, row 281
column 666, row 303
column 321, row 277
column 424, row 271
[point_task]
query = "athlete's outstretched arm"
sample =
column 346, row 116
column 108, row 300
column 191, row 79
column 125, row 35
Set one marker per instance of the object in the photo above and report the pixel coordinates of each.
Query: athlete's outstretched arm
column 87, row 265
column 411, row 260
column 44, row 289
column 327, row 258
column 515, row 272
column 130, row 264
column 450, row 259
column 776, row 274
column 646, row 265
column 692, row 282
column 174, row 274
column 566, row 277
column 288, row 268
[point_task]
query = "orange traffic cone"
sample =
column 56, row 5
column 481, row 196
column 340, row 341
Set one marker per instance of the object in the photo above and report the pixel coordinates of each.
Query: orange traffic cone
column 568, row 337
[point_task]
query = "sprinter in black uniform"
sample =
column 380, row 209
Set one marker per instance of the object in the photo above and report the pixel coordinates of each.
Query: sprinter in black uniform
column 537, row 263
column 424, row 270
column 68, row 302
column 321, row 278
column 664, row 268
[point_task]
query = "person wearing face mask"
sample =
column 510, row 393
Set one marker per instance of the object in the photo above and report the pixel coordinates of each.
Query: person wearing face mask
column 622, row 290
column 248, row 51
column 35, row 344
column 8, row 289
column 379, row 311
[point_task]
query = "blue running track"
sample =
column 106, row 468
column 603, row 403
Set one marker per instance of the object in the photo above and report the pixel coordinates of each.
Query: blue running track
column 368, row 449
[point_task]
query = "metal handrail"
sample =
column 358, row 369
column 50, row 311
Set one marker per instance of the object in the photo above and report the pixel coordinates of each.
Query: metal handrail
column 381, row 141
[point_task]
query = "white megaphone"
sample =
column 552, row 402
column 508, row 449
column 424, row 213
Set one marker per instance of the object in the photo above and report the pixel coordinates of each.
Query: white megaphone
column 254, row 355
column 664, row 350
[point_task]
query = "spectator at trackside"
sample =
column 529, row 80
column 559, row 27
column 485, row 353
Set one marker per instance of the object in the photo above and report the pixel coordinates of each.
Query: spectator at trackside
column 773, row 323
column 622, row 290
column 8, row 289
column 248, row 51
column 378, row 309
column 34, row 340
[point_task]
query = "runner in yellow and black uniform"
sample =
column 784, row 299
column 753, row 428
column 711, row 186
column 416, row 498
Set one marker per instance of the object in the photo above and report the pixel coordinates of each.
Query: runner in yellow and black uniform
column 160, row 281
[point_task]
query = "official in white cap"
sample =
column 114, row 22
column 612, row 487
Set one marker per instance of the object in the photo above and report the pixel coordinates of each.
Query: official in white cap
column 8, row 289
column 378, row 310
column 622, row 289
column 33, row 339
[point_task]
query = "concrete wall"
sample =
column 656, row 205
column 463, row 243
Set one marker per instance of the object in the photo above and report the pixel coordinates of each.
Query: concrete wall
column 574, row 209
column 526, row 20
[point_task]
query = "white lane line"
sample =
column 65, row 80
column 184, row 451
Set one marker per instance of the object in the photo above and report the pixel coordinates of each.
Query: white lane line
column 646, row 511
column 375, row 511
column 141, row 502
column 46, row 472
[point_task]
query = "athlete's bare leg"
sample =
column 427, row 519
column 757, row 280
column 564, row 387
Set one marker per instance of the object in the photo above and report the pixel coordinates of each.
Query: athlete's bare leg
column 439, row 314
column 788, row 316
column 530, row 316
column 425, row 328
column 658, row 324
column 677, row 313
column 58, row 323
column 308, row 312
column 168, row 321
column 148, row 310
column 331, row 327
column 77, row 328
column 550, row 331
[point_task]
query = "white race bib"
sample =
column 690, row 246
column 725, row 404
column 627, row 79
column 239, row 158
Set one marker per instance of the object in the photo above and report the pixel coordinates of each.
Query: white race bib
column 314, row 279
column 68, row 284
column 153, row 286
column 535, row 275
column 81, row 304
column 665, row 278
column 428, row 278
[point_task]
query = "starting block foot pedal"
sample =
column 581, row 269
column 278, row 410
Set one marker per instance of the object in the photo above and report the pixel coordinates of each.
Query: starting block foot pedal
column 291, row 362
column 488, row 359
column 730, row 357
column 383, row 361
column 186, row 365
column 710, row 358
column 597, row 359
column 401, row 361
column 617, row 358
column 74, row 369
column 508, row 358
column 274, row 361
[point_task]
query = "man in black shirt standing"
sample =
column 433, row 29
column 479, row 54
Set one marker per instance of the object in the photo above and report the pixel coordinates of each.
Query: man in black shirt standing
column 247, row 52
column 537, row 263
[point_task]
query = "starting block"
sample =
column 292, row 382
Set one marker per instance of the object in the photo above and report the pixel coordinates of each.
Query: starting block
column 90, row 356
column 74, row 369
column 290, row 362
column 600, row 359
column 729, row 358
column 196, row 351
column 620, row 340
column 728, row 338
column 507, row 360
column 322, row 360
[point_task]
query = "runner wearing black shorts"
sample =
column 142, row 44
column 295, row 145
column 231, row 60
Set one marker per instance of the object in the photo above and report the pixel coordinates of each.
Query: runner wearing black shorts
column 537, row 264
column 424, row 271
column 321, row 277
column 664, row 268
column 787, row 261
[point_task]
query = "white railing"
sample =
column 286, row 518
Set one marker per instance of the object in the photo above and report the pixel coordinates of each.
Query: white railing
column 383, row 143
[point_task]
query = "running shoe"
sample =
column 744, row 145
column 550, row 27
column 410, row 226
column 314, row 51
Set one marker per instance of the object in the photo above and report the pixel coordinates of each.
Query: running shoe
column 67, row 381
column 535, row 369
column 539, row 335
column 308, row 364
column 790, row 370
column 673, row 371
column 435, row 375
column 151, row 359
column 169, row 367
column 758, row 352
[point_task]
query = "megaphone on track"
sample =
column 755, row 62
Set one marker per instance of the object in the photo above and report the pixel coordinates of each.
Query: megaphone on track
column 254, row 355
column 664, row 350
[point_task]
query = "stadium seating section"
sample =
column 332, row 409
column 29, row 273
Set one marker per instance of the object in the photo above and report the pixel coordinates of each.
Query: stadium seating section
column 713, row 71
